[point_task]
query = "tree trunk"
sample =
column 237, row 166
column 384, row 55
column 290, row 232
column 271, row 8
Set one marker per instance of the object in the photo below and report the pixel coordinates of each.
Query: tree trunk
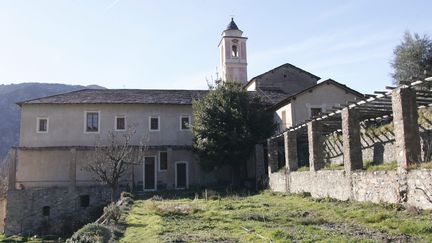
column 114, row 193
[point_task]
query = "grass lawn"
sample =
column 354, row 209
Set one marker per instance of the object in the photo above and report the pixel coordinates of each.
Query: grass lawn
column 273, row 216
column 16, row 239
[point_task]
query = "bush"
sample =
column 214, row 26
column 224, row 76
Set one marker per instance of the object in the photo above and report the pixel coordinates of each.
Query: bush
column 114, row 211
column 127, row 194
column 92, row 233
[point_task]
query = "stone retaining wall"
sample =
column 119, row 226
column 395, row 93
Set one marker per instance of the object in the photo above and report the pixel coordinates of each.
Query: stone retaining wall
column 58, row 211
column 324, row 183
column 377, row 186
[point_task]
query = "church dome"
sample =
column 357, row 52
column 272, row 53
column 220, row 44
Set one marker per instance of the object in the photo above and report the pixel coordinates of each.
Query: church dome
column 232, row 25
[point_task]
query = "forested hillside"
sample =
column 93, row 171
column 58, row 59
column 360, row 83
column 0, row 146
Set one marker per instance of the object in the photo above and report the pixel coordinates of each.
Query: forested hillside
column 10, row 112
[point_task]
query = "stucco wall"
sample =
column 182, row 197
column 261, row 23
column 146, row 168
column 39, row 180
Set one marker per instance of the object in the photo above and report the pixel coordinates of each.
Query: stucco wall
column 66, row 124
column 60, row 167
column 324, row 96
column 288, row 117
column 289, row 79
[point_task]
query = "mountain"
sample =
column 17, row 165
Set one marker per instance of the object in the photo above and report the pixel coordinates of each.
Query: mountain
column 10, row 112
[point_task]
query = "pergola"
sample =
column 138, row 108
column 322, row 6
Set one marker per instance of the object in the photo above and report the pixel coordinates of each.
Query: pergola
column 401, row 103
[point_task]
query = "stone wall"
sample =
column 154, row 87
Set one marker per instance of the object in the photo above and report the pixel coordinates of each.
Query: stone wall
column 377, row 186
column 324, row 183
column 53, row 210
column 278, row 181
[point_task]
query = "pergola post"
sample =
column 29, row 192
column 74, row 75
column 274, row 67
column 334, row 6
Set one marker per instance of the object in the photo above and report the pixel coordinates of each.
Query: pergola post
column 72, row 169
column 272, row 153
column 290, row 143
column 316, row 148
column 259, row 161
column 406, row 129
column 12, row 169
column 352, row 152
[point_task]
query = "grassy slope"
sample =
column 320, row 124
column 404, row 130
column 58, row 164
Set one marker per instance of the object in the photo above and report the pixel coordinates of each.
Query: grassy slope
column 278, row 217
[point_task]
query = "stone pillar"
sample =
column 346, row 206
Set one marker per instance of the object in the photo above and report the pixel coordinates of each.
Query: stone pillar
column 259, row 161
column 72, row 170
column 272, row 150
column 12, row 169
column 316, row 148
column 352, row 152
column 171, row 168
column 290, row 142
column 406, row 126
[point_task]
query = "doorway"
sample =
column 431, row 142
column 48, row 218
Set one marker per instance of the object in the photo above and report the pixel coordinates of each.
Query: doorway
column 149, row 173
column 181, row 175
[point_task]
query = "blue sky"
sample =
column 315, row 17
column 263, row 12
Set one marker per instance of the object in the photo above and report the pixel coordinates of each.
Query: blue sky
column 173, row 44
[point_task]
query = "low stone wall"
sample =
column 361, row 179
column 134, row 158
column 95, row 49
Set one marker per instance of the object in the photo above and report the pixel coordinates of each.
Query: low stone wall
column 376, row 186
column 53, row 210
column 324, row 183
column 278, row 181
column 412, row 189
column 420, row 188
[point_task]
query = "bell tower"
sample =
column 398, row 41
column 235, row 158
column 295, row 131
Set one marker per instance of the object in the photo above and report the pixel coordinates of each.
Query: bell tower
column 233, row 61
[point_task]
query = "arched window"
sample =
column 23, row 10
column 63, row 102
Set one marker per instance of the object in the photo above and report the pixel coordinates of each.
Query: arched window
column 234, row 51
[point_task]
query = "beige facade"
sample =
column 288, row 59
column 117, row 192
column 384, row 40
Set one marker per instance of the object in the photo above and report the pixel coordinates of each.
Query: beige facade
column 58, row 157
column 299, row 107
column 66, row 123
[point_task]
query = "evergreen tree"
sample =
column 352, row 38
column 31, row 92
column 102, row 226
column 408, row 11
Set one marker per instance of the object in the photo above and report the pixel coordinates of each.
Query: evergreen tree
column 228, row 122
column 413, row 59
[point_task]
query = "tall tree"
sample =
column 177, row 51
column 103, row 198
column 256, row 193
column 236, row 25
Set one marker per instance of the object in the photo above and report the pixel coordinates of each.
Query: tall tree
column 112, row 157
column 228, row 122
column 413, row 58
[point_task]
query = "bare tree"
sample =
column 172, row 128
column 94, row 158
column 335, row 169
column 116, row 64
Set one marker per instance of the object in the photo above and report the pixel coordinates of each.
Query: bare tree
column 112, row 157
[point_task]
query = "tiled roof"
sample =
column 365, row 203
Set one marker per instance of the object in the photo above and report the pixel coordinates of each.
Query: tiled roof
column 122, row 96
column 271, row 95
column 232, row 25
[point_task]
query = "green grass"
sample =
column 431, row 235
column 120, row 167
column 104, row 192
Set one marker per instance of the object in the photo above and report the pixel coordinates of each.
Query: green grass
column 369, row 166
column 425, row 165
column 303, row 169
column 330, row 166
column 273, row 216
column 19, row 239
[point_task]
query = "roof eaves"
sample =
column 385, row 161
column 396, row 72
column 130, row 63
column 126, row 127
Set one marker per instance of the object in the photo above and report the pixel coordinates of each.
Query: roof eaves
column 328, row 81
column 20, row 103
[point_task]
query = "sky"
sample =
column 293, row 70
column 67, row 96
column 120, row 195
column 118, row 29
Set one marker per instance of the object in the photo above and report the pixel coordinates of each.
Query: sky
column 174, row 44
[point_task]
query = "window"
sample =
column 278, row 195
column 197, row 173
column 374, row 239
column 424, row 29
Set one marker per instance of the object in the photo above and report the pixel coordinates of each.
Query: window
column 46, row 211
column 120, row 123
column 84, row 201
column 163, row 160
column 42, row 125
column 92, row 121
column 234, row 51
column 154, row 123
column 315, row 111
column 184, row 122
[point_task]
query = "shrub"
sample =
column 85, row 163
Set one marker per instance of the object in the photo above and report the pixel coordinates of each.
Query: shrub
column 113, row 211
column 92, row 233
column 127, row 194
column 208, row 194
